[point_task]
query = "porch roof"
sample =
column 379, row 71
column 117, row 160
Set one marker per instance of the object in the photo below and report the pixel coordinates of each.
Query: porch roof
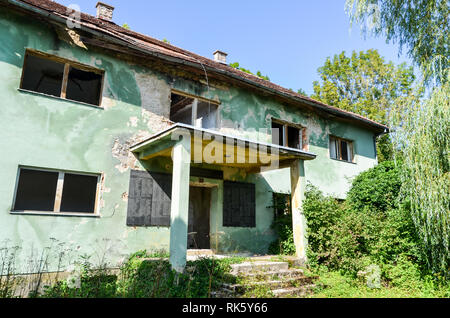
column 229, row 151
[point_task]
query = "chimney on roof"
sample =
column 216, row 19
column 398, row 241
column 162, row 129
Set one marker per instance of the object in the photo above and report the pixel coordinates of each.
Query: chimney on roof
column 104, row 11
column 220, row 57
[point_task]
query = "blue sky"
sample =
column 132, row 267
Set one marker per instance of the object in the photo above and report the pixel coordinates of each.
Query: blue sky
column 288, row 40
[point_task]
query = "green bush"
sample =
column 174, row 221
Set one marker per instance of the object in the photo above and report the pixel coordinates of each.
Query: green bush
column 282, row 225
column 376, row 189
column 371, row 226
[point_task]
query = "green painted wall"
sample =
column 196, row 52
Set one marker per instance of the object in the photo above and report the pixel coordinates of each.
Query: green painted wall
column 49, row 132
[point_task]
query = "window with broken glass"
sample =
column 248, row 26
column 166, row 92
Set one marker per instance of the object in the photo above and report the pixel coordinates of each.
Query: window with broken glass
column 289, row 135
column 59, row 192
column 341, row 149
column 193, row 111
column 54, row 76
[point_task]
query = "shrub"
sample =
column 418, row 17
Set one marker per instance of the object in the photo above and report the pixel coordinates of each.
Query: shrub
column 376, row 189
column 282, row 225
column 322, row 214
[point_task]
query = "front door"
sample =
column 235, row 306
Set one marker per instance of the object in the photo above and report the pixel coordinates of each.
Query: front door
column 198, row 221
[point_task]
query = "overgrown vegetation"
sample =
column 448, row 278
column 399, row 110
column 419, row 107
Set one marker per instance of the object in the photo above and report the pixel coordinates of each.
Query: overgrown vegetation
column 147, row 275
column 373, row 227
column 282, row 225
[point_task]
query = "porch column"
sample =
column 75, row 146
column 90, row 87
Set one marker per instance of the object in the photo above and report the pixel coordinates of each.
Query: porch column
column 298, row 220
column 181, row 157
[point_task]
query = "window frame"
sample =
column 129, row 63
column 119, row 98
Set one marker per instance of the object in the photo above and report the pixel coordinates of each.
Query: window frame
column 304, row 145
column 350, row 144
column 58, row 194
column 67, row 64
column 195, row 102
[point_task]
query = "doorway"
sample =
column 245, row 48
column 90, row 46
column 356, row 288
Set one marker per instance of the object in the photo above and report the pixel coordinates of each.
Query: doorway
column 198, row 219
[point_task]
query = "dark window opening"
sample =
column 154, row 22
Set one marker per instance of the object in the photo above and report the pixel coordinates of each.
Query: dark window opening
column 83, row 86
column 293, row 140
column 57, row 77
column 42, row 75
column 277, row 134
column 344, row 150
column 292, row 136
column 79, row 193
column 181, row 109
column 36, row 190
column 281, row 204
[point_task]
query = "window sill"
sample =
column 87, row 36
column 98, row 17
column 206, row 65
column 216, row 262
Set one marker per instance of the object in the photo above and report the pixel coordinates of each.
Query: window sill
column 351, row 162
column 59, row 98
column 45, row 213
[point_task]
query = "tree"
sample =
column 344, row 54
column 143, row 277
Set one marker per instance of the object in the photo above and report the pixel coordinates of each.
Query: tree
column 423, row 136
column 422, row 127
column 422, row 26
column 238, row 67
column 364, row 84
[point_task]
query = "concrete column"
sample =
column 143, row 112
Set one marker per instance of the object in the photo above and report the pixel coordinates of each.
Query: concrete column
column 298, row 220
column 181, row 157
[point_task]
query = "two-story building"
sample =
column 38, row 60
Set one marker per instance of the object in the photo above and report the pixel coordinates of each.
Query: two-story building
column 114, row 142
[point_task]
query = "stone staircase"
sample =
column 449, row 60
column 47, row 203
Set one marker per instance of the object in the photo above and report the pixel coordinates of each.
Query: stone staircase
column 267, row 279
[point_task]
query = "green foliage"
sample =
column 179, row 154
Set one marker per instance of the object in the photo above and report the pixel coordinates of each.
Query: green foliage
column 364, row 84
column 422, row 26
column 376, row 189
column 147, row 275
column 423, row 137
column 282, row 225
column 258, row 73
column 126, row 26
column 370, row 227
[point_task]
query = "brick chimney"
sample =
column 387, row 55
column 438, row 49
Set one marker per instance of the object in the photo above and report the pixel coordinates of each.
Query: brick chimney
column 104, row 11
column 220, row 57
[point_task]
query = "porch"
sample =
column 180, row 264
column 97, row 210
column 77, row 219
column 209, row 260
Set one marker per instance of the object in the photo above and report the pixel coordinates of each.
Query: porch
column 189, row 147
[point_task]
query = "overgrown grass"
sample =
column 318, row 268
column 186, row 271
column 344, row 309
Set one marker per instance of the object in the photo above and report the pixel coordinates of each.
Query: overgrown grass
column 333, row 284
column 147, row 275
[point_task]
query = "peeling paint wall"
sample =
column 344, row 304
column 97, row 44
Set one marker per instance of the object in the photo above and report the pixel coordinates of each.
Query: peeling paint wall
column 49, row 132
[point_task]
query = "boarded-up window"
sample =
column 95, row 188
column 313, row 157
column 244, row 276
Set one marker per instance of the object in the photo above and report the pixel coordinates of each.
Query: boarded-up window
column 239, row 204
column 149, row 199
column 62, row 78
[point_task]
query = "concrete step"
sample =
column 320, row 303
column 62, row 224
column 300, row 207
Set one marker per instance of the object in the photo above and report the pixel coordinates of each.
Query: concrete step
column 272, row 284
column 301, row 291
column 200, row 252
column 273, row 275
column 259, row 266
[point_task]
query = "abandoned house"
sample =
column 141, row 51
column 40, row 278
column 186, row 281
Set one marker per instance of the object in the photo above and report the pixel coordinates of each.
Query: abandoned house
column 111, row 137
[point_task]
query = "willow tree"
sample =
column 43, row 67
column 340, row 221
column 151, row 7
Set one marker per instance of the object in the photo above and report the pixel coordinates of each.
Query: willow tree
column 423, row 135
column 421, row 127
column 420, row 26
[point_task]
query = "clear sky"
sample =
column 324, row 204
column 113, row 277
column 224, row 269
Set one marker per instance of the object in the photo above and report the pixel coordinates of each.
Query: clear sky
column 288, row 40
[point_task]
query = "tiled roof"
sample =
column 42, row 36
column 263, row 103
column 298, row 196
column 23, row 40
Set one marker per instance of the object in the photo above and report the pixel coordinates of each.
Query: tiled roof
column 161, row 48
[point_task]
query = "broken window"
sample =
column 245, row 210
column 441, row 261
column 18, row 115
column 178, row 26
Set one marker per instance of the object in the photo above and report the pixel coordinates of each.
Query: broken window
column 58, row 77
column 42, row 75
column 341, row 149
column 192, row 111
column 53, row 191
column 289, row 135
